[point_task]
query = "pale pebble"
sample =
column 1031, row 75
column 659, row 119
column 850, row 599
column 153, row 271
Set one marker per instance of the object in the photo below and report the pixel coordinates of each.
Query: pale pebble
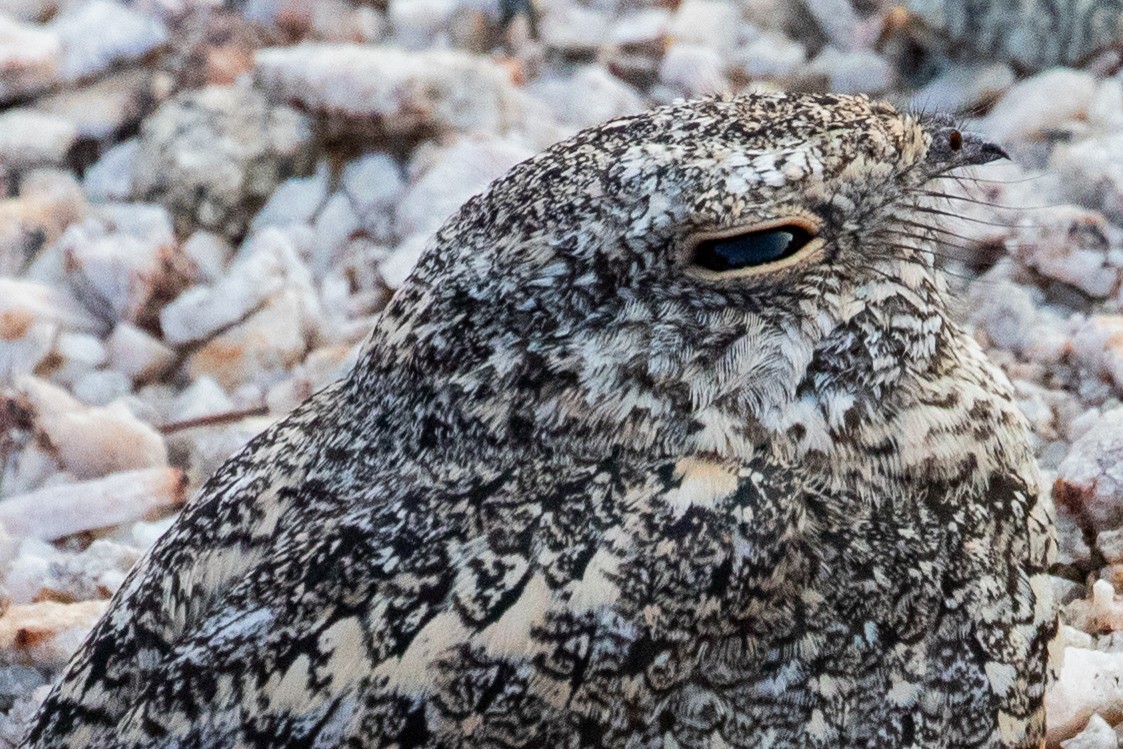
column 443, row 180
column 713, row 24
column 29, row 56
column 396, row 268
column 262, row 348
column 574, row 29
column 265, row 263
column 210, row 254
column 374, row 184
column 1098, row 734
column 137, row 354
column 30, row 138
column 295, row 201
column 213, row 155
column 75, row 354
column 1089, row 682
column 1070, row 244
column 62, row 510
column 691, row 70
column 45, row 634
column 1032, row 107
column 1091, row 476
column 122, row 34
column 110, row 178
column 852, row 71
column 400, row 92
column 91, row 442
column 603, row 96
column 770, row 54
column 101, row 387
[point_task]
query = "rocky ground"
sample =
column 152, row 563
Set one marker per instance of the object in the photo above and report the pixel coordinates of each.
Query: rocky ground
column 204, row 205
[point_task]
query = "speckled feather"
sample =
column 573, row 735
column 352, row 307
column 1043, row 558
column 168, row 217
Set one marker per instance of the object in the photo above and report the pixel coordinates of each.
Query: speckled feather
column 577, row 493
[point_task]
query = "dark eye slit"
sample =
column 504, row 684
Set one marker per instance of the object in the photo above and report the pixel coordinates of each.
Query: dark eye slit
column 750, row 249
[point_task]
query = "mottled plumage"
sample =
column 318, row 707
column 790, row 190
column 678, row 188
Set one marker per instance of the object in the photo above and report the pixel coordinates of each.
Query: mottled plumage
column 580, row 493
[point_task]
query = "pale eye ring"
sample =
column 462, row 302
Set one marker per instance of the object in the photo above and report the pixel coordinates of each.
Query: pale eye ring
column 752, row 249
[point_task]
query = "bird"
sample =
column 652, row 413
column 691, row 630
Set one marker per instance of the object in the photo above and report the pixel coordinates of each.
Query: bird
column 671, row 440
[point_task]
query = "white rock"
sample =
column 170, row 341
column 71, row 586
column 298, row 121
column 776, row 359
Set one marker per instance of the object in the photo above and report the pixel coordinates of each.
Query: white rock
column 713, row 24
column 110, row 178
column 691, row 70
column 1105, row 113
column 46, row 634
column 418, row 23
column 838, row 20
column 401, row 262
column 444, row 179
column 144, row 534
column 213, row 155
column 29, row 57
column 572, row 28
column 295, row 201
column 209, row 252
column 137, row 354
column 1031, row 107
column 852, row 71
column 1089, row 172
column 337, row 223
column 1097, row 346
column 1090, row 682
column 263, row 347
column 1091, row 476
column 374, row 184
column 1069, row 244
column 401, row 92
column 104, row 107
column 43, row 572
column 641, row 27
column 122, row 34
column 29, row 137
column 117, row 260
column 770, row 54
column 76, row 354
column 101, row 387
column 91, row 442
column 1098, row 734
column 31, row 314
column 961, row 87
column 267, row 263
column 603, row 96
column 207, row 448
column 66, row 509
column 204, row 397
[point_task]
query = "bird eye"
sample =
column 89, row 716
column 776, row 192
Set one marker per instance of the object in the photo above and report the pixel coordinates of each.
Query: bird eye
column 750, row 249
column 955, row 140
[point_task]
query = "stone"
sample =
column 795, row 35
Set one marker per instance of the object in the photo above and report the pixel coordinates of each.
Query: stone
column 30, row 138
column 852, row 71
column 602, row 95
column 962, row 88
column 45, row 634
column 31, row 315
column 110, row 178
column 392, row 92
column 265, row 265
column 1098, row 734
column 769, row 55
column 137, row 354
column 374, row 185
column 442, row 180
column 691, row 70
column 213, row 156
column 1090, row 682
column 1090, row 478
column 262, row 348
column 29, row 58
column 65, row 509
column 1031, row 108
column 104, row 107
column 90, row 442
column 1072, row 245
column 713, row 24
column 122, row 34
column 1089, row 172
column 295, row 201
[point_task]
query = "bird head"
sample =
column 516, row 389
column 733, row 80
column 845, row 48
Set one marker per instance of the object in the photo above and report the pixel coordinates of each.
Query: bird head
column 694, row 277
